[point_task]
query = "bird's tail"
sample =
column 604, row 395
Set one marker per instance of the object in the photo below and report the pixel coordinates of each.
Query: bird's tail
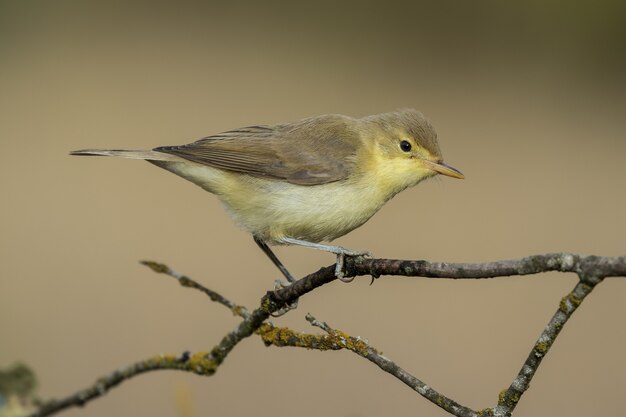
column 133, row 154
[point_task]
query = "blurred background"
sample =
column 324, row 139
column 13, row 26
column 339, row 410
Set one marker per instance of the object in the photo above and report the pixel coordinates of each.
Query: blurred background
column 529, row 101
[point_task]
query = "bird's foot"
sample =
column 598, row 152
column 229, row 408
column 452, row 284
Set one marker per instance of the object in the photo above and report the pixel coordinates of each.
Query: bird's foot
column 279, row 285
column 341, row 253
column 341, row 257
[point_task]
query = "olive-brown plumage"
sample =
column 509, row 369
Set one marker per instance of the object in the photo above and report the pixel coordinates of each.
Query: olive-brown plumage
column 308, row 181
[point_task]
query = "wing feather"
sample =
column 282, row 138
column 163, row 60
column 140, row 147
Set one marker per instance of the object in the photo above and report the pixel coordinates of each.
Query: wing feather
column 313, row 151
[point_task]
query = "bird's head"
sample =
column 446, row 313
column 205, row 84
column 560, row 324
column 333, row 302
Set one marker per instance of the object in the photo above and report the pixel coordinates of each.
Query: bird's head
column 405, row 149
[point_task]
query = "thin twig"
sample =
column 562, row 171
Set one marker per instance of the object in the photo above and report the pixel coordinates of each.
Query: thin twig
column 201, row 363
column 187, row 282
column 510, row 397
column 590, row 269
column 185, row 362
column 337, row 340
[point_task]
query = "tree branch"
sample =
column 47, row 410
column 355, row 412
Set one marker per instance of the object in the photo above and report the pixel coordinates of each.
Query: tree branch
column 591, row 271
column 589, row 267
column 510, row 397
column 187, row 282
column 338, row 340
column 201, row 363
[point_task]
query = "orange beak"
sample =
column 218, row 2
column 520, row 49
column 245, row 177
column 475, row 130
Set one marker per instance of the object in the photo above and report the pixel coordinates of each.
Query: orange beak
column 443, row 169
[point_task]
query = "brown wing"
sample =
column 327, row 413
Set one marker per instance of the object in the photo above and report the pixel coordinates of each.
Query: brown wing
column 310, row 152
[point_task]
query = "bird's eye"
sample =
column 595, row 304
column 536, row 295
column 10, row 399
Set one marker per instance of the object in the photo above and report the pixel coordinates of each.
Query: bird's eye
column 405, row 146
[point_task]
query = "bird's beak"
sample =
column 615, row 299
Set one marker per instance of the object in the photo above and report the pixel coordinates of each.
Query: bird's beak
column 443, row 169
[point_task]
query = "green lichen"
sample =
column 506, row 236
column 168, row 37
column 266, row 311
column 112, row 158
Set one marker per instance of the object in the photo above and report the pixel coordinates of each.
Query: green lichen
column 542, row 347
column 163, row 361
column 354, row 344
column 156, row 267
column 574, row 299
column 335, row 340
column 201, row 364
column 569, row 302
column 487, row 412
column 239, row 311
column 509, row 398
column 502, row 396
column 267, row 305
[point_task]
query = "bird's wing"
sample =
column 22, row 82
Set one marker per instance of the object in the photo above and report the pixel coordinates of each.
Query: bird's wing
column 305, row 153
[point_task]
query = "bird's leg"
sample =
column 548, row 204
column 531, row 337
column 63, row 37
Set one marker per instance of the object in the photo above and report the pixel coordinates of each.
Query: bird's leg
column 266, row 249
column 341, row 253
column 278, row 284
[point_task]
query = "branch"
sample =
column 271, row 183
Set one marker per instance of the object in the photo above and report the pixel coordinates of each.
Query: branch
column 589, row 267
column 187, row 282
column 184, row 362
column 338, row 340
column 510, row 397
column 591, row 270
column 201, row 363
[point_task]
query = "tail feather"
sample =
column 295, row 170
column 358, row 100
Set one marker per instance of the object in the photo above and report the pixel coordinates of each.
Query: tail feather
column 132, row 154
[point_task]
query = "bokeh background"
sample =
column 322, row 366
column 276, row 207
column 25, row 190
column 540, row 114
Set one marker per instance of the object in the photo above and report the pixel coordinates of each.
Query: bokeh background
column 529, row 100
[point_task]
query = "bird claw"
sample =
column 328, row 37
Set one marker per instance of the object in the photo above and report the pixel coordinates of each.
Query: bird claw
column 339, row 269
column 279, row 285
column 340, row 251
column 339, row 273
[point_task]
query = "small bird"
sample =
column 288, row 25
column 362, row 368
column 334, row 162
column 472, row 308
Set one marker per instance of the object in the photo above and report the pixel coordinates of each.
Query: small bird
column 308, row 181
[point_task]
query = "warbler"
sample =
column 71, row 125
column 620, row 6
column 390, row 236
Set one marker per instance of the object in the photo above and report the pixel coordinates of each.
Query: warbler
column 309, row 181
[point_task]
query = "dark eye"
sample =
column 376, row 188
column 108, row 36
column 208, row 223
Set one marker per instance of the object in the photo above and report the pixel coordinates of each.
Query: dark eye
column 405, row 146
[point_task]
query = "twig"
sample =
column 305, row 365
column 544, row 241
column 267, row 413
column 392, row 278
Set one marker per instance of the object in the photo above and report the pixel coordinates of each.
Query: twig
column 590, row 269
column 600, row 266
column 185, row 281
column 510, row 397
column 186, row 362
column 201, row 363
column 338, row 340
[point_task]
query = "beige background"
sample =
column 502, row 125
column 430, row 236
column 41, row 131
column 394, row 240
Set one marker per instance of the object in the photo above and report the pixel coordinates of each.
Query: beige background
column 529, row 102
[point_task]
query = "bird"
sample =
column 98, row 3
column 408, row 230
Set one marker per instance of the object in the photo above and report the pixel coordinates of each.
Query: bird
column 309, row 181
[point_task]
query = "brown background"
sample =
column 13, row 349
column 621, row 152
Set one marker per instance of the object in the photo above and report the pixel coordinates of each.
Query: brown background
column 529, row 102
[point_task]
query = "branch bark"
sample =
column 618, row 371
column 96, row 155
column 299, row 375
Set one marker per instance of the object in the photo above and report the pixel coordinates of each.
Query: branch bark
column 591, row 270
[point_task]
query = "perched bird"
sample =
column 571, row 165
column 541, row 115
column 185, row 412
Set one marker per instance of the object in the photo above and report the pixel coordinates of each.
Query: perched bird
column 309, row 181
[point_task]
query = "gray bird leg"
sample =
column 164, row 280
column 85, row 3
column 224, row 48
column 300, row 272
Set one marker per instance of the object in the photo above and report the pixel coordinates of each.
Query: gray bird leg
column 278, row 284
column 341, row 253
column 266, row 249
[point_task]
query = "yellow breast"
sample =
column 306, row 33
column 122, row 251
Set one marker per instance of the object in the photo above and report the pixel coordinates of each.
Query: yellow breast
column 271, row 209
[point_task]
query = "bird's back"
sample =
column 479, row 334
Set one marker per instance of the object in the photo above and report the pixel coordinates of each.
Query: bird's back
column 312, row 151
